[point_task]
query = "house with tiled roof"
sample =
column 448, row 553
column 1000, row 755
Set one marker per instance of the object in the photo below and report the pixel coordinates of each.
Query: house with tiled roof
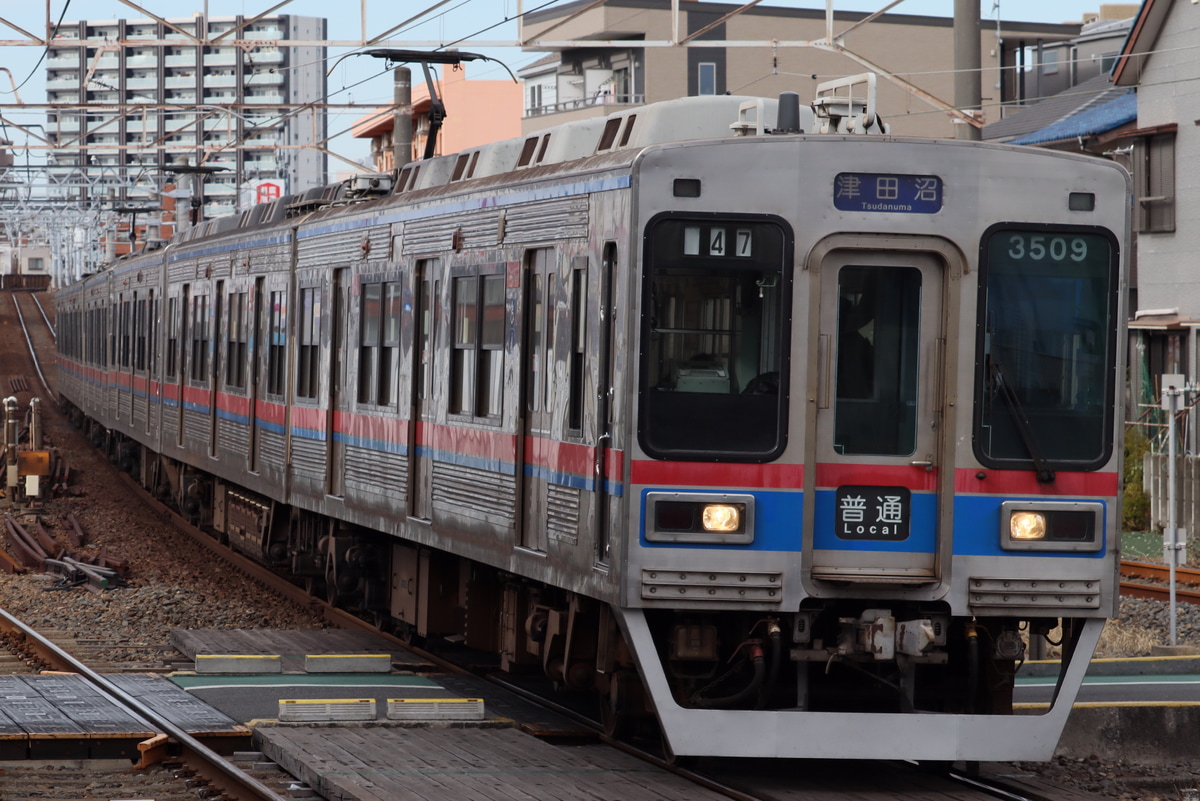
column 1161, row 151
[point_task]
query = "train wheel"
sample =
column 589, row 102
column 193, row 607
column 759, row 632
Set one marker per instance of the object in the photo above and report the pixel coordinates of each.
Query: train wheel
column 314, row 586
column 615, row 716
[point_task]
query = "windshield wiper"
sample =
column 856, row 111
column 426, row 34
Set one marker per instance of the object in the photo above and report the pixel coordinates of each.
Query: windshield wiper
column 1044, row 474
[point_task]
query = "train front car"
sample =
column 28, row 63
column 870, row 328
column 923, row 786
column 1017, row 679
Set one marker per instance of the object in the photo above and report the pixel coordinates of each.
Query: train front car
column 877, row 441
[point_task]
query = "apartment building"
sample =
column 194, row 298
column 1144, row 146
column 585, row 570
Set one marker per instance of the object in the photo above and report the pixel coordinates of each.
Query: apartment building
column 137, row 95
column 599, row 64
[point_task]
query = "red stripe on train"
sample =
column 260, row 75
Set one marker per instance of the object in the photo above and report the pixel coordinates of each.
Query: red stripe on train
column 1024, row 482
column 708, row 474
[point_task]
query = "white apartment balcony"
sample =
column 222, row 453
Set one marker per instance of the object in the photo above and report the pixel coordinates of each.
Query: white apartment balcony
column 106, row 62
column 67, row 125
column 218, row 81
column 221, row 59
column 65, row 60
column 181, row 140
column 271, row 55
column 264, row 79
column 141, row 83
column 62, row 97
column 219, row 121
column 71, row 82
column 274, row 98
column 179, row 81
column 141, row 60
column 181, row 97
column 264, row 34
column 183, row 60
column 140, row 125
column 260, row 165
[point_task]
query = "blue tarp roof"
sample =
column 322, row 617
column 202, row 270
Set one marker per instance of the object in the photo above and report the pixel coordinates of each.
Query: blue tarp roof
column 1089, row 122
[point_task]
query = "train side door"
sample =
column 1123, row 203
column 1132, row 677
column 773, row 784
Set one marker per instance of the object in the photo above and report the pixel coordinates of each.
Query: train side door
column 423, row 409
column 537, row 392
column 880, row 361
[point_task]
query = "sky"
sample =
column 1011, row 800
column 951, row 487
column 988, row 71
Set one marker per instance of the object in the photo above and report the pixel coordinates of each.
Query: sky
column 366, row 82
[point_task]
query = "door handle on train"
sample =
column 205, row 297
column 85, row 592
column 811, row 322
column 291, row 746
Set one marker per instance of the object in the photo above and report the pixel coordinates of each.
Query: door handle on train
column 927, row 463
column 605, row 437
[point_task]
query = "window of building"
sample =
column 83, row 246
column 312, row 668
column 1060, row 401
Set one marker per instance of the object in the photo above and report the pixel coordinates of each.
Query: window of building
column 706, row 78
column 1154, row 181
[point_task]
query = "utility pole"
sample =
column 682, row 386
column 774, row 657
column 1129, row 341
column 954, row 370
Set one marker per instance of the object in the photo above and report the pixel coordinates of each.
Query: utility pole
column 968, row 66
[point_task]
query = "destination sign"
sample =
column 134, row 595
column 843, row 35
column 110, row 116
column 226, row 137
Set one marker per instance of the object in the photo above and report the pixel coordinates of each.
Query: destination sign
column 887, row 192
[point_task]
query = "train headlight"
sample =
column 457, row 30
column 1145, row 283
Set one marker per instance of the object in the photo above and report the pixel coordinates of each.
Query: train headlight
column 1051, row 526
column 1027, row 526
column 723, row 517
column 700, row 517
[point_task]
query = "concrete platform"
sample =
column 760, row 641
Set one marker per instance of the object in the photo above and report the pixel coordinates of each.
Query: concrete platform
column 293, row 647
column 1144, row 709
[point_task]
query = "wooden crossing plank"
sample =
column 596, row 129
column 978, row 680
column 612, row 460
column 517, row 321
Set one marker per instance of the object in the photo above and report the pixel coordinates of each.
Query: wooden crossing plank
column 453, row 764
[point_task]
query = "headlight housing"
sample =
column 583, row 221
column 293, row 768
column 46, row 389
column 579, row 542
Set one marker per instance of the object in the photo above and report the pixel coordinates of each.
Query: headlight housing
column 712, row 518
column 1051, row 526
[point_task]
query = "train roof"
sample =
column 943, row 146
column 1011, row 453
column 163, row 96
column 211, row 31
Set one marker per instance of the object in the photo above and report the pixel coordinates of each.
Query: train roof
column 837, row 110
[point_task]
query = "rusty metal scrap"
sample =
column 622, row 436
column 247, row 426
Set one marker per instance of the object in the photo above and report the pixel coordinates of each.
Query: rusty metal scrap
column 24, row 547
column 75, row 532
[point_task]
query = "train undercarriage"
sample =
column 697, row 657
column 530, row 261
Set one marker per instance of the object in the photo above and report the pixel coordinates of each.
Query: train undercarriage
column 831, row 656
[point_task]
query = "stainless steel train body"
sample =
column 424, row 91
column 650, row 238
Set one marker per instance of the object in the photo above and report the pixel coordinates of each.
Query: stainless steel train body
column 787, row 439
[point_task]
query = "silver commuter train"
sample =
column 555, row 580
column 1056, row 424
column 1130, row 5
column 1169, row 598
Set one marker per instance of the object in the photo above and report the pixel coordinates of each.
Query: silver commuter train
column 790, row 440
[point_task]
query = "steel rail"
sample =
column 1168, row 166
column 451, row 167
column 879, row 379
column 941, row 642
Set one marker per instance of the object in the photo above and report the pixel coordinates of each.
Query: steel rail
column 1159, row 572
column 1160, row 590
column 32, row 351
column 42, row 309
column 229, row 779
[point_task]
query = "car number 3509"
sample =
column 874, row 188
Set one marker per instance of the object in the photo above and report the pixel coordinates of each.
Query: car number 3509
column 1041, row 247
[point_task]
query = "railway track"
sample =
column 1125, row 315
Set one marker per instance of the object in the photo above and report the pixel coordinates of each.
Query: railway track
column 47, row 331
column 214, row 771
column 1154, row 582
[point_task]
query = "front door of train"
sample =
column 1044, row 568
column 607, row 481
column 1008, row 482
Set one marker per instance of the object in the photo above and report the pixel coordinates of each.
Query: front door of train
column 881, row 359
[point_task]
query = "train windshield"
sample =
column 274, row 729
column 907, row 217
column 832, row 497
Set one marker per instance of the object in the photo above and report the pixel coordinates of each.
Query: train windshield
column 1044, row 372
column 715, row 315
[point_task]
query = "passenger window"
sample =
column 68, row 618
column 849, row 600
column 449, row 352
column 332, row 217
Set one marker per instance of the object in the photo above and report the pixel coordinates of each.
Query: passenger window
column 715, row 332
column 477, row 368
